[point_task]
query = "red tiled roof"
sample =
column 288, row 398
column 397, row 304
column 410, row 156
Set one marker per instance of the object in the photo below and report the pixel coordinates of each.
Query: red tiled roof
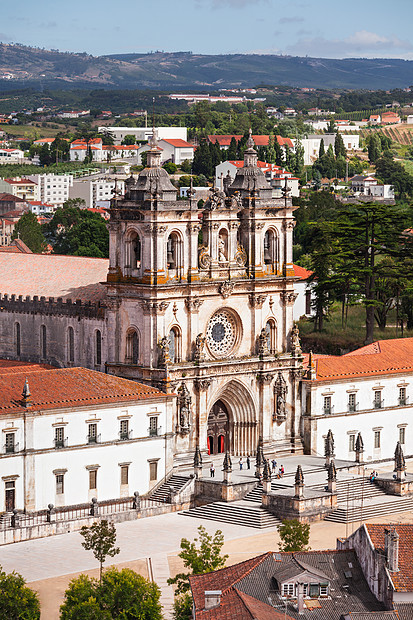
column 74, row 277
column 237, row 605
column 260, row 140
column 64, row 388
column 16, row 246
column 177, row 142
column 20, row 182
column 302, row 273
column 381, row 358
column 403, row 579
column 10, row 198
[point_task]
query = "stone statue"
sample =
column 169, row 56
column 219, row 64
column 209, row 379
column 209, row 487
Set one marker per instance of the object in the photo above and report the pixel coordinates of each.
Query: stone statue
column 263, row 343
column 280, row 389
column 164, row 358
column 184, row 403
column 222, row 257
column 199, row 354
column 295, row 340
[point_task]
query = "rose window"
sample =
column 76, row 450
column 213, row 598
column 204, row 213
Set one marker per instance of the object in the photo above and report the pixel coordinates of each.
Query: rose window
column 221, row 333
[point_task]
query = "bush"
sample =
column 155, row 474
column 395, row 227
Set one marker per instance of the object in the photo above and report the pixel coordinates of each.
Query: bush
column 17, row 600
column 170, row 167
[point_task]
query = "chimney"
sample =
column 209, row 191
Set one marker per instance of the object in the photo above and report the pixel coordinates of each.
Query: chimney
column 212, row 598
column 300, row 598
column 392, row 543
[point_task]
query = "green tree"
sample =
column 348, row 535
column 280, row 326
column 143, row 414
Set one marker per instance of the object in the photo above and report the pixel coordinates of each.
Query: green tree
column 17, row 601
column 100, row 538
column 29, row 231
column 321, row 150
column 78, row 232
column 374, row 147
column 202, row 163
column 170, row 167
column 121, row 594
column 183, row 607
column 231, row 153
column 201, row 559
column 294, row 535
column 129, row 139
column 339, row 148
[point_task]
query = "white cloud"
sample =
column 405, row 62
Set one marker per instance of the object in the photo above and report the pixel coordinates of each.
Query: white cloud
column 290, row 20
column 361, row 43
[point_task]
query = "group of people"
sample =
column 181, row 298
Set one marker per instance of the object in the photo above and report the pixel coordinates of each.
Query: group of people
column 373, row 476
column 280, row 473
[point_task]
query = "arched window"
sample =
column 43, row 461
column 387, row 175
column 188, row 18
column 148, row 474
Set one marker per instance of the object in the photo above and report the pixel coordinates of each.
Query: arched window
column 70, row 345
column 43, row 342
column 271, row 249
column 17, row 341
column 271, row 333
column 174, row 255
column 132, row 347
column 133, row 251
column 98, row 348
column 175, row 345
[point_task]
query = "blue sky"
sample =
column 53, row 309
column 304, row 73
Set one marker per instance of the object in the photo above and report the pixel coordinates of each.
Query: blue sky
column 325, row 28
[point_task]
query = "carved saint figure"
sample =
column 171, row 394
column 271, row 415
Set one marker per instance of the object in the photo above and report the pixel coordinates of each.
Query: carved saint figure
column 295, row 339
column 199, row 348
column 263, row 342
column 222, row 257
column 163, row 345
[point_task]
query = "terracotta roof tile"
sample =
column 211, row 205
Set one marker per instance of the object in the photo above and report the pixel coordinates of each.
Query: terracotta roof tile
column 403, row 579
column 302, row 273
column 63, row 388
column 380, row 358
column 178, row 143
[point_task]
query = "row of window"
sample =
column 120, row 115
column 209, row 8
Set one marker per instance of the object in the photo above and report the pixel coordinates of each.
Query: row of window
column 353, row 405
column 376, row 439
column 313, row 590
column 93, row 478
column 70, row 347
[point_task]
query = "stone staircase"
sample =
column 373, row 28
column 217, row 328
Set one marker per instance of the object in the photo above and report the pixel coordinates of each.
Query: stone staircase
column 370, row 510
column 176, row 482
column 256, row 494
column 239, row 513
column 353, row 489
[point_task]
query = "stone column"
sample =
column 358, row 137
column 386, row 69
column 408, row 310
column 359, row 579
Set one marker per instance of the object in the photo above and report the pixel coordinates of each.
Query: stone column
column 332, row 478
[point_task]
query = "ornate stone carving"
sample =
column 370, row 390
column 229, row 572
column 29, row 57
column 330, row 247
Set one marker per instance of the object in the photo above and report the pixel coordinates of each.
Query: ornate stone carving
column 163, row 357
column 234, row 225
column 222, row 253
column 216, row 225
column 226, row 289
column 265, row 377
column 159, row 307
column 191, row 227
column 155, row 228
column 295, row 340
column 241, row 256
column 202, row 384
column 216, row 200
column 199, row 354
column 256, row 301
column 288, row 297
column 280, row 393
column 263, row 344
column 184, row 407
column 204, row 258
column 259, row 225
column 193, row 303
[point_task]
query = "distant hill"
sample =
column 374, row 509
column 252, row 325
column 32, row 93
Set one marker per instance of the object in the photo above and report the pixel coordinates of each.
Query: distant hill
column 183, row 70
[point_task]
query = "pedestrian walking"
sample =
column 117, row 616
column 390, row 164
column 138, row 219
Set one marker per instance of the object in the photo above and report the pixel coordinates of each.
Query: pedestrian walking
column 274, row 464
column 248, row 462
column 212, row 471
column 240, row 464
column 282, row 470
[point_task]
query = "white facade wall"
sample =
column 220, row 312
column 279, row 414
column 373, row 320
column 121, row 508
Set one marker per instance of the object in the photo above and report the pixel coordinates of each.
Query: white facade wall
column 36, row 472
column 8, row 156
column 144, row 133
column 301, row 304
column 367, row 419
column 382, row 191
column 53, row 188
column 409, row 119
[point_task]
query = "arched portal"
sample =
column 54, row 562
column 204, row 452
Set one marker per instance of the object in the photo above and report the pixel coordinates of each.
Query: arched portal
column 218, row 429
column 232, row 422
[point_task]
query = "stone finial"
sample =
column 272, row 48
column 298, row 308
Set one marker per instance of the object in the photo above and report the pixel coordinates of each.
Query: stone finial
column 26, row 396
column 399, row 462
column 329, row 447
column 311, row 370
column 359, row 443
column 332, row 473
column 266, row 475
column 259, row 459
column 299, row 476
column 197, row 457
column 227, row 465
column 250, row 142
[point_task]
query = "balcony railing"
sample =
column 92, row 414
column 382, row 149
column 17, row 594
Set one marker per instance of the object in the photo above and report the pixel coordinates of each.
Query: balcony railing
column 351, row 407
column 328, row 409
column 378, row 404
column 91, row 439
column 60, row 443
column 125, row 435
column 154, row 432
column 11, row 448
column 403, row 400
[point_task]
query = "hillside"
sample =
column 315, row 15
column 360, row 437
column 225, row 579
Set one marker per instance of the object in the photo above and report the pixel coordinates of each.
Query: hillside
column 183, row 70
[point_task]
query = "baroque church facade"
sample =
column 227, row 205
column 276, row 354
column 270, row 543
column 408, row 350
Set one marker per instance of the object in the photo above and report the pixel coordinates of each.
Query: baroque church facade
column 198, row 301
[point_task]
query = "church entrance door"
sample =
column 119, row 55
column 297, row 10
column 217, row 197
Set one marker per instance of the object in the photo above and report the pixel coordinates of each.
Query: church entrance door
column 218, row 429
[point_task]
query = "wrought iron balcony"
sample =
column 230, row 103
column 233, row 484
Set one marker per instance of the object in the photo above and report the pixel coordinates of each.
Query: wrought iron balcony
column 155, row 432
column 352, row 407
column 125, row 435
column 403, row 401
column 378, row 404
column 328, row 409
column 11, row 448
column 91, row 439
column 60, row 443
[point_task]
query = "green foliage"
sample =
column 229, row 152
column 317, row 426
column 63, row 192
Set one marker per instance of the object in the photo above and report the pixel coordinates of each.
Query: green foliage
column 121, row 594
column 393, row 173
column 202, row 163
column 129, row 139
column 77, row 232
column 294, row 535
column 29, row 231
column 170, row 167
column 17, row 601
column 339, row 148
column 100, row 538
column 183, row 607
column 186, row 166
column 201, row 559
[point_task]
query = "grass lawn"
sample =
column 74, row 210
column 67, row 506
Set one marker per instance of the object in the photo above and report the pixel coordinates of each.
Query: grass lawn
column 336, row 339
column 23, row 131
column 408, row 164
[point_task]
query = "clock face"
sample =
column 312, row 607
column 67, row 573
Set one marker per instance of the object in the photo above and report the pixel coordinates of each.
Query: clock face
column 221, row 333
